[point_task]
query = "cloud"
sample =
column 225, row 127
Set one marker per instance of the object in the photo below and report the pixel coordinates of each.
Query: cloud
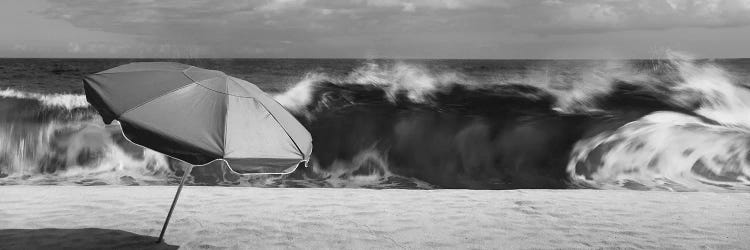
column 225, row 28
column 281, row 5
column 617, row 15
column 529, row 16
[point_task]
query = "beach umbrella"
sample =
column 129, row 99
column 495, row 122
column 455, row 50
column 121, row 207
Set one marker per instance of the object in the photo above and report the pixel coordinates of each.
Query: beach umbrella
column 199, row 116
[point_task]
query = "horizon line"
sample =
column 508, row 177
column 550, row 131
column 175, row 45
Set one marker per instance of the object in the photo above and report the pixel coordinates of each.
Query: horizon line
column 363, row 58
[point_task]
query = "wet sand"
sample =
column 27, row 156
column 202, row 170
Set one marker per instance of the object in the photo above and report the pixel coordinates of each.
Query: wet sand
column 253, row 218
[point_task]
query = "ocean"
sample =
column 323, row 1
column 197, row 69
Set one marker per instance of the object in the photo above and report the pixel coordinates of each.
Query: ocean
column 674, row 124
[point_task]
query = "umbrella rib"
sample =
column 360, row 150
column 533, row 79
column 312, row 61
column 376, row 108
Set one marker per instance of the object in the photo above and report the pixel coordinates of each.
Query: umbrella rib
column 277, row 121
column 226, row 91
column 284, row 128
column 153, row 99
column 226, row 114
column 226, row 105
column 134, row 71
column 184, row 72
column 166, row 93
column 223, row 93
column 143, row 70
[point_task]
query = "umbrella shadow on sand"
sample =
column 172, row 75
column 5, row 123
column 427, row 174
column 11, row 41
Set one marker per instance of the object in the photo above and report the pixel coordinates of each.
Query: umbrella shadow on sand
column 83, row 238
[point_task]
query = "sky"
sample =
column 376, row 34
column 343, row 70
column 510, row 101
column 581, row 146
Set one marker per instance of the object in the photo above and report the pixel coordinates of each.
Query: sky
column 482, row 29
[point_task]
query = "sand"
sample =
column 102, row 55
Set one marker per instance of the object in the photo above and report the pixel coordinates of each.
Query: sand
column 106, row 217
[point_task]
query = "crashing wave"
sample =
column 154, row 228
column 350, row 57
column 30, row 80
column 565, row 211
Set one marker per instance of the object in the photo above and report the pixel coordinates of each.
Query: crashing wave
column 67, row 101
column 678, row 124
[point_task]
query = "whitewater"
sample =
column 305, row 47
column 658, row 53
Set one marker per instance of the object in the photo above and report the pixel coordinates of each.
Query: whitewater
column 679, row 124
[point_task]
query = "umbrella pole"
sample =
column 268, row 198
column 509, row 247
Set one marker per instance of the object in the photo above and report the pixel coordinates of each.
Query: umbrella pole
column 177, row 195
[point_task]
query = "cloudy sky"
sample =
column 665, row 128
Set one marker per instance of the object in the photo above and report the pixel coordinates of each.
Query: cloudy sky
column 499, row 29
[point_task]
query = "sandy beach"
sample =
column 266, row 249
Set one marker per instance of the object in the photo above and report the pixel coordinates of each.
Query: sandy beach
column 122, row 217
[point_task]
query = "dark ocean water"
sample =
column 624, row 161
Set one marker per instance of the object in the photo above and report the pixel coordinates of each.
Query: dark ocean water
column 677, row 124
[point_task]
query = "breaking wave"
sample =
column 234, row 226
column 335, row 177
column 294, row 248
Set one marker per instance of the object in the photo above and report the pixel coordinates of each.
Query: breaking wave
column 679, row 124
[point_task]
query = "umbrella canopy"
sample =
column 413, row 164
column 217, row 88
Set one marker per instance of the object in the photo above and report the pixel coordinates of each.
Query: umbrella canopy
column 199, row 115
